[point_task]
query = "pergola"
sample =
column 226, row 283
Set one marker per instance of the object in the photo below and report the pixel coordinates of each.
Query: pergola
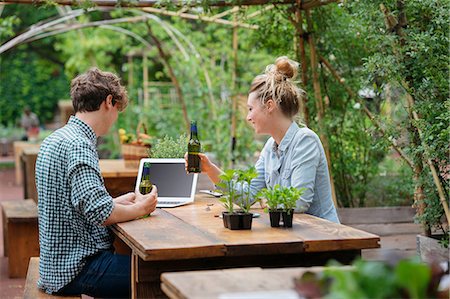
column 301, row 9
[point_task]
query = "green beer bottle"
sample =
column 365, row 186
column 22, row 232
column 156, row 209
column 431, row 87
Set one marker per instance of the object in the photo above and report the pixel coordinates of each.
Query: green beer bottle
column 193, row 150
column 146, row 185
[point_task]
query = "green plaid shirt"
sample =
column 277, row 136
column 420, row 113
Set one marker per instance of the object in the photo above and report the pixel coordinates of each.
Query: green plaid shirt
column 73, row 204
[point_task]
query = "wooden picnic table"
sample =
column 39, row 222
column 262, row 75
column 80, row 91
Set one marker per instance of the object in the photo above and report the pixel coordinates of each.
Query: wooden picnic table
column 234, row 283
column 193, row 237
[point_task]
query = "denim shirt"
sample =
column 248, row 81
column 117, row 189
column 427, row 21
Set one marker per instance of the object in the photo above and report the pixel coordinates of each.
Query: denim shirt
column 299, row 161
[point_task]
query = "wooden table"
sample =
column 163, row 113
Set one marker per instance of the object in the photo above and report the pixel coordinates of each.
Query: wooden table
column 118, row 178
column 266, row 283
column 191, row 237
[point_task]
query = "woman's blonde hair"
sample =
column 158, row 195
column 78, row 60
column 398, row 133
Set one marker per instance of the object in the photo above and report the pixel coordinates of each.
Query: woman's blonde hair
column 277, row 83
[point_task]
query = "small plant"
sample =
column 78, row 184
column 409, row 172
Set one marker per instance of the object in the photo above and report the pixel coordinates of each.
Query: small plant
column 169, row 147
column 289, row 197
column 244, row 177
column 235, row 184
column 272, row 196
column 236, row 189
column 227, row 183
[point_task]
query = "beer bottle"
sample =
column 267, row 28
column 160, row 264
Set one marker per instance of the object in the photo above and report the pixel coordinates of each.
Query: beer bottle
column 146, row 185
column 193, row 150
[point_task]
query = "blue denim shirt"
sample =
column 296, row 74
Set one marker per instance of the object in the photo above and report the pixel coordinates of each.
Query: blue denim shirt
column 299, row 161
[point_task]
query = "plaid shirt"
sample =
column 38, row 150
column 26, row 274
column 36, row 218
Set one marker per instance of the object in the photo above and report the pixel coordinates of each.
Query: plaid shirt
column 73, row 204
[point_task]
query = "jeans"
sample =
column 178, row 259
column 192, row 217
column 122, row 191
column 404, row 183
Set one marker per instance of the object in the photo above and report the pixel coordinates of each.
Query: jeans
column 105, row 275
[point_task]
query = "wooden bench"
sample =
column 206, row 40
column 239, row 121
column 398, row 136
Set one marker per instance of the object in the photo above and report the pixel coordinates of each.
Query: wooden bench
column 394, row 225
column 31, row 290
column 20, row 234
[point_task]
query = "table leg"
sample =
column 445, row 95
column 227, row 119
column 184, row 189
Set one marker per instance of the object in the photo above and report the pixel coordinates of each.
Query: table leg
column 134, row 258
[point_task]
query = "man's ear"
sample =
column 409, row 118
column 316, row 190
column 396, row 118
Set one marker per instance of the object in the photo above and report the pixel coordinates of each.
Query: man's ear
column 109, row 101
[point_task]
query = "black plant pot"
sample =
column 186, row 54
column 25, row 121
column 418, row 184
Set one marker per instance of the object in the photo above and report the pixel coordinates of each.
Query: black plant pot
column 237, row 220
column 287, row 218
column 275, row 216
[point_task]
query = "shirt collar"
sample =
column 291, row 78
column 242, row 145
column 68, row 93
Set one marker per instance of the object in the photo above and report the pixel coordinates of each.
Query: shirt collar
column 84, row 127
column 287, row 139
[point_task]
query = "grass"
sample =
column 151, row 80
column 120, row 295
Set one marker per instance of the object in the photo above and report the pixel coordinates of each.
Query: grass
column 7, row 165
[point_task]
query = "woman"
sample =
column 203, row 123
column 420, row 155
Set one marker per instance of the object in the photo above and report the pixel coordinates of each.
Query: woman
column 293, row 156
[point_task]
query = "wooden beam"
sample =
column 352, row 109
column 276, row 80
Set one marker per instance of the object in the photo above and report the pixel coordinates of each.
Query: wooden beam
column 306, row 4
column 225, row 13
column 198, row 17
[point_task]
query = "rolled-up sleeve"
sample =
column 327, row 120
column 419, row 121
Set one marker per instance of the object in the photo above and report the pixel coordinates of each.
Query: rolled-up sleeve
column 305, row 159
column 88, row 194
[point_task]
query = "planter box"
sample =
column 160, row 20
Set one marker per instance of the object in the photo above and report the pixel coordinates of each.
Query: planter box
column 429, row 249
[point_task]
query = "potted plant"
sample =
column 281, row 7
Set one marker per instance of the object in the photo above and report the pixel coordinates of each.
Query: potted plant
column 234, row 184
column 273, row 204
column 289, row 197
column 407, row 278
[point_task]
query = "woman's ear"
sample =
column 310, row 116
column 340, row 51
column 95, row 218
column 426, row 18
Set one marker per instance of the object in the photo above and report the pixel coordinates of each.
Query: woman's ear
column 270, row 105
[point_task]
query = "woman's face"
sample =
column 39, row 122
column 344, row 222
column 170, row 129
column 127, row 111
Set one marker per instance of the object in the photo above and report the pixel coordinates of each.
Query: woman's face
column 257, row 114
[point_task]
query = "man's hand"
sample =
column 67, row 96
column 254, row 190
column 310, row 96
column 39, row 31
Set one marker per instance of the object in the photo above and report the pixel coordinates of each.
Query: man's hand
column 126, row 199
column 148, row 201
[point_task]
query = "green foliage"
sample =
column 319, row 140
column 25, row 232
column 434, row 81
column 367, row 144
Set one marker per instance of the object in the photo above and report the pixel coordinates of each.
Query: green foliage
column 373, row 279
column 289, row 198
column 272, row 196
column 281, row 197
column 414, row 58
column 235, row 186
column 31, row 74
column 6, row 26
column 168, row 147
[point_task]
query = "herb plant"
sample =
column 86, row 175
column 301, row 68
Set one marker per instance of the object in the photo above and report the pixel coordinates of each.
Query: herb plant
column 273, row 197
column 169, row 147
column 236, row 190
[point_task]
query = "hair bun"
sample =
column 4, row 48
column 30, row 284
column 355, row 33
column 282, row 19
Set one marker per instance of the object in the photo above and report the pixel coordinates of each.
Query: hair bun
column 286, row 67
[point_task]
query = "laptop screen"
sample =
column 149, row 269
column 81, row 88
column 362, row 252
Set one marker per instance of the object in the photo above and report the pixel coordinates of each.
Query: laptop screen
column 170, row 177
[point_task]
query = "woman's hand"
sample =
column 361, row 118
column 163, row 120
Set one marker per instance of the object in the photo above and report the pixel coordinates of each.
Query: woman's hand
column 207, row 167
column 205, row 164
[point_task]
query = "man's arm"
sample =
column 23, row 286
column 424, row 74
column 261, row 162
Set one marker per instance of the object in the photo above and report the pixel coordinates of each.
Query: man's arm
column 143, row 205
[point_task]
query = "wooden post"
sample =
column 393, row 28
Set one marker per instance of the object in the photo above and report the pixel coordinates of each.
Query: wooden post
column 319, row 102
column 301, row 55
column 234, row 89
column 130, row 71
column 145, row 79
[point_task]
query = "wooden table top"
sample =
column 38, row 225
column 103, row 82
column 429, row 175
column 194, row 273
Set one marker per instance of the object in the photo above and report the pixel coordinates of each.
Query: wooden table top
column 269, row 283
column 196, row 231
column 115, row 168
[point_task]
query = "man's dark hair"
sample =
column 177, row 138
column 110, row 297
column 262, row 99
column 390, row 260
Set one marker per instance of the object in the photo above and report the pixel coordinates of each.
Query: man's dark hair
column 90, row 89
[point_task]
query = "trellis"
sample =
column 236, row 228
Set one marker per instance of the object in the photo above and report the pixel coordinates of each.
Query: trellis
column 300, row 7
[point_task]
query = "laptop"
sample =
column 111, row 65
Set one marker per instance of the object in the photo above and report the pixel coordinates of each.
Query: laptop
column 175, row 186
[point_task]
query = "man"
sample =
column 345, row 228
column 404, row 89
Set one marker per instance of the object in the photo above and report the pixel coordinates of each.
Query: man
column 30, row 122
column 74, row 207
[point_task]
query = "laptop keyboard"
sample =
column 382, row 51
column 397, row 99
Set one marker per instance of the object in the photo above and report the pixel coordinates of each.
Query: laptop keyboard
column 170, row 202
